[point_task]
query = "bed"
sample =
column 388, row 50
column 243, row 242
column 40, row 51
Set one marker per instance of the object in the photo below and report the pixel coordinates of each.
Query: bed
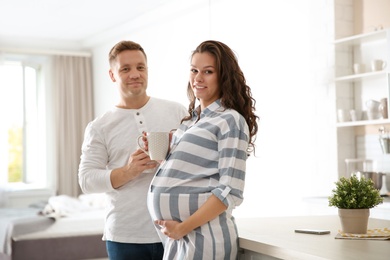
column 65, row 229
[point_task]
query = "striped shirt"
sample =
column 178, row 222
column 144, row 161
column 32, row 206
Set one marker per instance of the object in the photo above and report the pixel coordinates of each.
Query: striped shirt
column 208, row 156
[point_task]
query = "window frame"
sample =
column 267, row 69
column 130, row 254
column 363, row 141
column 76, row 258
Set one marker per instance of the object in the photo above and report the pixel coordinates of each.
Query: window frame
column 45, row 178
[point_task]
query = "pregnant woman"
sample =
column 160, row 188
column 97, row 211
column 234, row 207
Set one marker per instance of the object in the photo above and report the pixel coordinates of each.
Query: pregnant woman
column 196, row 188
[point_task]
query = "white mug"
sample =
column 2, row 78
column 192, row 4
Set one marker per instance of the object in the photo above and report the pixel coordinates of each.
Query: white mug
column 356, row 115
column 158, row 145
column 342, row 115
column 377, row 65
column 358, row 68
column 373, row 105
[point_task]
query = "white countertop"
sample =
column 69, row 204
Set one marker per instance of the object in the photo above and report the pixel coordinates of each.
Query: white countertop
column 275, row 236
column 320, row 206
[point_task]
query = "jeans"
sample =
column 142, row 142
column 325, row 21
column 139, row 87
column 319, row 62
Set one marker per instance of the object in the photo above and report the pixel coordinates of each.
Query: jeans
column 127, row 251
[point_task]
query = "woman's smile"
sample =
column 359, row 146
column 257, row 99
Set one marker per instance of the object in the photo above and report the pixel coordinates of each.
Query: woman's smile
column 199, row 87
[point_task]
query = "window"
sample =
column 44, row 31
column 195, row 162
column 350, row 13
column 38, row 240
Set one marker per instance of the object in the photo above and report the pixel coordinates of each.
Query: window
column 22, row 132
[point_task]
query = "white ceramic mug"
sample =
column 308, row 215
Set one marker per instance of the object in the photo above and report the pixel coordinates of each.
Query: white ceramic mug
column 356, row 115
column 373, row 105
column 377, row 65
column 342, row 115
column 158, row 145
column 358, row 68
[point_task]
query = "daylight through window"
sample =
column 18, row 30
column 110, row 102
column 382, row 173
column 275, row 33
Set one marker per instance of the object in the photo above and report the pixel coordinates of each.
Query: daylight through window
column 21, row 124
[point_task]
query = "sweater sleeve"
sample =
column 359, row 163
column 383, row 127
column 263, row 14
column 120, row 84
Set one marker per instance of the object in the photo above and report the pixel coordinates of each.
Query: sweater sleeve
column 93, row 175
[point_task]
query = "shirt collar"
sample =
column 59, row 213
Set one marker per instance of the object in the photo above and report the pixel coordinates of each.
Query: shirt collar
column 216, row 105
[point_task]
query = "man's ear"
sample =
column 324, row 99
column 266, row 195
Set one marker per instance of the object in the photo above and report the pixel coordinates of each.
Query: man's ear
column 112, row 75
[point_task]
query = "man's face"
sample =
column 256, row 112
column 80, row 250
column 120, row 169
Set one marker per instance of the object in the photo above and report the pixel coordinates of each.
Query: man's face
column 130, row 72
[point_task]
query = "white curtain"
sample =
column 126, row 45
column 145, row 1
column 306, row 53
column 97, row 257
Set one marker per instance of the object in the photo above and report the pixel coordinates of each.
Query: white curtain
column 72, row 91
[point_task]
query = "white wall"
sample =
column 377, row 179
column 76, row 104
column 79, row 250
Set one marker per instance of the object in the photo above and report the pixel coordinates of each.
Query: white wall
column 284, row 48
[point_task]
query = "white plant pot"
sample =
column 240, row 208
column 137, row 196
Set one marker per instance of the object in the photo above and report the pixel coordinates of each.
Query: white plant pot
column 354, row 221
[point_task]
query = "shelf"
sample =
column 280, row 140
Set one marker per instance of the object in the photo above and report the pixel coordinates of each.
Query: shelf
column 363, row 38
column 354, row 138
column 363, row 123
column 357, row 77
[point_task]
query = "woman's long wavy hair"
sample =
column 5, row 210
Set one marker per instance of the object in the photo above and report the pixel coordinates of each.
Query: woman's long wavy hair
column 234, row 92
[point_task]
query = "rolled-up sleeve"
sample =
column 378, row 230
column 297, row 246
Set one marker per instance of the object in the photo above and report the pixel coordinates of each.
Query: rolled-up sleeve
column 232, row 147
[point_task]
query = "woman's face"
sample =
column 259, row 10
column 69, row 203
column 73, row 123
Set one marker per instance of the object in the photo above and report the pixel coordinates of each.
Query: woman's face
column 204, row 78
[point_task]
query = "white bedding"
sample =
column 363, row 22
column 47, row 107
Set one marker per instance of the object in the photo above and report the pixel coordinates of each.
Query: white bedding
column 18, row 221
column 63, row 216
column 82, row 223
column 63, row 205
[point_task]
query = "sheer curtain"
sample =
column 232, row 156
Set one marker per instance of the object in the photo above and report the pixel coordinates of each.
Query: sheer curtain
column 72, row 93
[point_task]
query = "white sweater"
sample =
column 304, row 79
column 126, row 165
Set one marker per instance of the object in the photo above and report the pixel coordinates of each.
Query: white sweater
column 108, row 142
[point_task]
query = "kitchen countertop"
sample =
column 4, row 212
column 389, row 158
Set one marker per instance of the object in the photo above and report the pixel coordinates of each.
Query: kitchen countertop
column 320, row 206
column 275, row 237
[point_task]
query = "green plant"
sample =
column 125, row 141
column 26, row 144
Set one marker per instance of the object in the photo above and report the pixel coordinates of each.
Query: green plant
column 355, row 193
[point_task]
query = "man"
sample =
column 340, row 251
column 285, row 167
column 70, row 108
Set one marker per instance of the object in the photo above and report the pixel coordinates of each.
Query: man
column 112, row 163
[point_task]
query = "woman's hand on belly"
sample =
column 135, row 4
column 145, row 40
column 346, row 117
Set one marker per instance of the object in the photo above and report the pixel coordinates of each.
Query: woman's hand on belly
column 212, row 208
column 172, row 229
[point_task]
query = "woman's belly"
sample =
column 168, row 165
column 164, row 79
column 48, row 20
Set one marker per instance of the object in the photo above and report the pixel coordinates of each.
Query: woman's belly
column 172, row 206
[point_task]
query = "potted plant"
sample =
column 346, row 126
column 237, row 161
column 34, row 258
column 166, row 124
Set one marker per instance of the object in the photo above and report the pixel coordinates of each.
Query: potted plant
column 354, row 197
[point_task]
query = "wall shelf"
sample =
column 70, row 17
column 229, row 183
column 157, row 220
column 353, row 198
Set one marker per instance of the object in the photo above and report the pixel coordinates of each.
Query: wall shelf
column 353, row 90
column 358, row 77
column 363, row 38
column 363, row 123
